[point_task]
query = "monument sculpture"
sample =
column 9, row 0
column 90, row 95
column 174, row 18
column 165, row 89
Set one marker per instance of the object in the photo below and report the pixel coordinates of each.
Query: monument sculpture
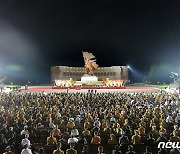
column 90, row 66
column 90, row 63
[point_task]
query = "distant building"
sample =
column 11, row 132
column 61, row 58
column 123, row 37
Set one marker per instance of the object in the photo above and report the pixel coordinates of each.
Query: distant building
column 65, row 73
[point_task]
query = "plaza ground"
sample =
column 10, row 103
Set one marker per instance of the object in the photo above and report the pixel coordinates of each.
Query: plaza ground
column 128, row 89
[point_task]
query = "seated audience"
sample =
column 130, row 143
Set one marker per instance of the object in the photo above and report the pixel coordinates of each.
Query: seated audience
column 25, row 131
column 71, row 150
column 26, row 150
column 100, row 150
column 86, row 121
column 58, row 150
column 96, row 139
column 130, row 150
column 51, row 140
column 8, row 150
column 26, row 141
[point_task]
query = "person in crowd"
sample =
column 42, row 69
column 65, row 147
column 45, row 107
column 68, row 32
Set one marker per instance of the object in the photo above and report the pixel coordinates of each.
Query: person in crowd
column 163, row 130
column 75, row 133
column 71, row 150
column 25, row 131
column 148, row 150
column 41, row 151
column 100, row 150
column 86, row 132
column 174, row 137
column 141, row 130
column 150, row 141
column 176, row 129
column 96, row 139
column 169, row 119
column 86, row 150
column 162, row 151
column 136, row 138
column 58, row 150
column 26, row 141
column 26, row 150
column 11, row 136
column 116, row 150
column 97, row 123
column 70, row 125
column 51, row 140
column 162, row 138
column 175, row 151
column 4, row 129
column 177, row 118
column 155, row 132
column 130, row 150
column 51, row 124
column 56, row 131
column 3, row 140
column 8, row 150
column 73, row 140
column 112, row 140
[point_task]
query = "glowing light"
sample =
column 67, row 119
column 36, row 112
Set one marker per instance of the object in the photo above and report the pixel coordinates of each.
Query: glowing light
column 14, row 68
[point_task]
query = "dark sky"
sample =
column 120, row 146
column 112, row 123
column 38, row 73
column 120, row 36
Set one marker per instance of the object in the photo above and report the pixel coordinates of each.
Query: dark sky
column 35, row 34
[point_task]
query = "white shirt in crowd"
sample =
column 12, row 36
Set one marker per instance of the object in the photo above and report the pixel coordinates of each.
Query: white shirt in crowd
column 169, row 119
column 166, row 103
column 25, row 141
column 177, row 119
column 97, row 123
column 112, row 119
column 72, row 140
column 74, row 132
column 178, row 103
column 26, row 151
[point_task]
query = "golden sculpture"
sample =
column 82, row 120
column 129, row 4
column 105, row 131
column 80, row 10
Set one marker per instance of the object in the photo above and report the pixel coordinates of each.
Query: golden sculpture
column 90, row 62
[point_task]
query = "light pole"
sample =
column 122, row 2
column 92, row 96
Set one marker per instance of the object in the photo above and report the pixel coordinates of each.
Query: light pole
column 2, row 79
column 128, row 73
column 176, row 77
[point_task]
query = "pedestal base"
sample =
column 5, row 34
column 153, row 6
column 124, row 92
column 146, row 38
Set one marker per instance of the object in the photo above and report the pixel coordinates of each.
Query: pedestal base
column 88, row 78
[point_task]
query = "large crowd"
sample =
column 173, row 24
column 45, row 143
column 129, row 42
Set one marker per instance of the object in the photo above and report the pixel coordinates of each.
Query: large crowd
column 88, row 123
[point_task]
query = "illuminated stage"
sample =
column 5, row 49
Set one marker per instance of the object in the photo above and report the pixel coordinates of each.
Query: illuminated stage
column 89, row 81
column 89, row 75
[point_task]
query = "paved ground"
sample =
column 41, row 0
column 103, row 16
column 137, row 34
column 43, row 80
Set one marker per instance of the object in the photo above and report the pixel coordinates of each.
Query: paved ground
column 128, row 89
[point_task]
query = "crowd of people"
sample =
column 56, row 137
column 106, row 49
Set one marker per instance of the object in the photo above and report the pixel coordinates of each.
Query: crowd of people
column 88, row 123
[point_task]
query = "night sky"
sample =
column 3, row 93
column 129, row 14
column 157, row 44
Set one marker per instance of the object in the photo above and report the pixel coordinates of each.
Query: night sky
column 35, row 34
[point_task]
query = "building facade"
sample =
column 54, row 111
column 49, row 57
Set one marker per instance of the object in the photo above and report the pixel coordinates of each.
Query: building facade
column 112, row 73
